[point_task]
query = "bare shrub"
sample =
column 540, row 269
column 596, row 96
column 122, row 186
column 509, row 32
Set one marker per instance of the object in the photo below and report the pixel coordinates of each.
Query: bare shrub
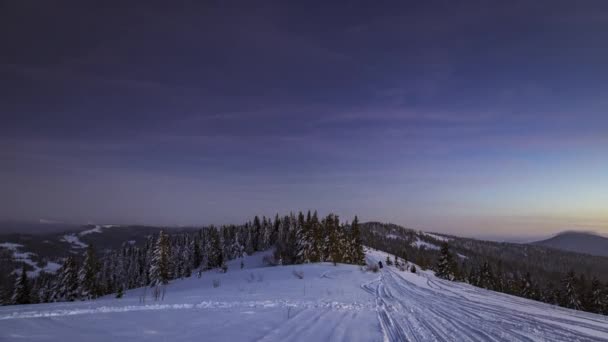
column 298, row 274
column 216, row 283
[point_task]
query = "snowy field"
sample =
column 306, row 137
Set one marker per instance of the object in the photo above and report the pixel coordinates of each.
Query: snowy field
column 330, row 303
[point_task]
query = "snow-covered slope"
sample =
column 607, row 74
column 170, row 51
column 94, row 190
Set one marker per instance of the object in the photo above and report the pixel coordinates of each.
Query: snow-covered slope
column 330, row 303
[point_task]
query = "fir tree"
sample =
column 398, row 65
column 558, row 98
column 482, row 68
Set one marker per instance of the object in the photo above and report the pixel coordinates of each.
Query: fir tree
column 21, row 293
column 571, row 297
column 87, row 278
column 486, row 277
column 159, row 266
column 445, row 266
column 526, row 288
column 358, row 255
column 596, row 296
column 66, row 288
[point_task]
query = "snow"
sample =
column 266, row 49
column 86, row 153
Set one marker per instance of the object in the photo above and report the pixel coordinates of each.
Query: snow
column 25, row 257
column 74, row 241
column 51, row 267
column 420, row 243
column 11, row 245
column 331, row 303
column 437, row 237
column 97, row 229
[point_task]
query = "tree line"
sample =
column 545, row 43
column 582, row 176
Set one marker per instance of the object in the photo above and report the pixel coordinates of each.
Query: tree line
column 295, row 239
column 574, row 292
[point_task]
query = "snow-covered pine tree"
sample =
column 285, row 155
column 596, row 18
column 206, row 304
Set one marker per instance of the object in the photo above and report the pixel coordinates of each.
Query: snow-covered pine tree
column 256, row 233
column 66, row 287
column 445, row 264
column 486, row 276
column 159, row 265
column 21, row 292
column 358, row 255
column 266, row 233
column 88, row 276
column 571, row 297
column 301, row 243
column 332, row 248
column 45, row 290
column 197, row 253
column 526, row 287
column 597, row 296
column 316, row 251
column 215, row 256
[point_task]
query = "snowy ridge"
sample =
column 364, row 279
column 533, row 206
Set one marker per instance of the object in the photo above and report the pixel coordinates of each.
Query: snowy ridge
column 423, row 244
column 73, row 240
column 96, row 229
column 437, row 237
column 329, row 303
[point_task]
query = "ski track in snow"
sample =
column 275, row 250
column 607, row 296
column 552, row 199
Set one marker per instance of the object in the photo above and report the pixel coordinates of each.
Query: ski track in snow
column 330, row 305
column 408, row 312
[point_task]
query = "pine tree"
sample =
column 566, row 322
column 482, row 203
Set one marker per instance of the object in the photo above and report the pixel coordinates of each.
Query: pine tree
column 358, row 255
column 301, row 242
column 159, row 266
column 87, row 278
column 526, row 288
column 215, row 255
column 445, row 266
column 21, row 293
column 256, row 233
column 486, row 277
column 66, row 288
column 197, row 253
column 597, row 296
column 571, row 297
column 316, row 250
column 388, row 261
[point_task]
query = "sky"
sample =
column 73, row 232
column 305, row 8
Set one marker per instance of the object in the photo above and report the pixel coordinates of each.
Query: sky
column 473, row 118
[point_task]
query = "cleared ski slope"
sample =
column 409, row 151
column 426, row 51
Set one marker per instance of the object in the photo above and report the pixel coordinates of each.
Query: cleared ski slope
column 331, row 303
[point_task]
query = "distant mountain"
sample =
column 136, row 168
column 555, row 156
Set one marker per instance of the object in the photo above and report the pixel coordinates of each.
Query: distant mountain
column 580, row 242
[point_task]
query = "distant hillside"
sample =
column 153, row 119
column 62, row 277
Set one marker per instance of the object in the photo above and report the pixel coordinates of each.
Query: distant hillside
column 580, row 242
column 542, row 261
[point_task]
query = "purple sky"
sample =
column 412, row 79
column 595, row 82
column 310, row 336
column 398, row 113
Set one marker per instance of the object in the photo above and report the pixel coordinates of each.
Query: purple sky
column 481, row 118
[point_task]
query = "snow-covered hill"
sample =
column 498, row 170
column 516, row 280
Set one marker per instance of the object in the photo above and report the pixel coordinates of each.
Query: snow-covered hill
column 329, row 303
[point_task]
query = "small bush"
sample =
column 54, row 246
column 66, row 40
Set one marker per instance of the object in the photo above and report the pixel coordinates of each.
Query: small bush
column 413, row 269
column 298, row 274
column 216, row 283
column 388, row 261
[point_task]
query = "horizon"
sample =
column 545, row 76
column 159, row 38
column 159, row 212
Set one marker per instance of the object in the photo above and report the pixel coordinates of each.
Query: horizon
column 41, row 226
column 475, row 119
